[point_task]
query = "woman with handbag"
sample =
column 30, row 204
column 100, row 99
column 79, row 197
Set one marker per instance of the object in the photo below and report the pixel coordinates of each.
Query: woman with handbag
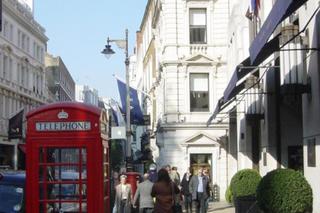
column 164, row 190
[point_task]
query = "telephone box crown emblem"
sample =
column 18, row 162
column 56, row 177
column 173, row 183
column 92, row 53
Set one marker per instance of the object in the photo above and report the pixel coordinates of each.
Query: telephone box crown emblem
column 63, row 115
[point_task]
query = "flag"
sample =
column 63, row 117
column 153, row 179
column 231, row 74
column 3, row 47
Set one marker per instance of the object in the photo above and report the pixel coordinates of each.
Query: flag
column 116, row 113
column 15, row 126
column 136, row 115
column 253, row 9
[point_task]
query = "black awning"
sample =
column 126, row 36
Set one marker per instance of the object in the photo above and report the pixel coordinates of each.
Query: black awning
column 243, row 69
column 280, row 11
column 268, row 49
column 240, row 71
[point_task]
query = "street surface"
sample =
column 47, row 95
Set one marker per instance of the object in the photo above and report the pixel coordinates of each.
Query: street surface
column 220, row 207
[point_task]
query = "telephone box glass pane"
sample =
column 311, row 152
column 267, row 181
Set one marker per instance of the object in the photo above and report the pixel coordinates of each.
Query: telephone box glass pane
column 65, row 155
column 62, row 179
column 84, row 155
column 67, row 172
column 57, row 207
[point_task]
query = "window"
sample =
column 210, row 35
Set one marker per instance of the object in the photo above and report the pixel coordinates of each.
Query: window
column 199, row 92
column 28, row 45
column 198, row 26
column 23, row 41
column 5, row 66
column 22, row 75
column 27, row 78
column 19, row 38
column 11, row 32
column 18, row 72
column 10, row 69
column 34, row 49
column 38, row 53
column 311, row 152
column 6, row 29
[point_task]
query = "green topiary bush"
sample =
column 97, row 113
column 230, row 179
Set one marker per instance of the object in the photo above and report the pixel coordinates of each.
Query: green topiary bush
column 284, row 191
column 228, row 195
column 244, row 183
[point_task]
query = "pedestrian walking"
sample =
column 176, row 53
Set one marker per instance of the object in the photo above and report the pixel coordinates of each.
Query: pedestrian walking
column 168, row 168
column 199, row 188
column 207, row 175
column 187, row 197
column 174, row 175
column 143, row 196
column 123, row 198
column 153, row 175
column 164, row 191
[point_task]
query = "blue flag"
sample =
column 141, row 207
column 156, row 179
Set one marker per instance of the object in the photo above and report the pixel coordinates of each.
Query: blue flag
column 136, row 115
column 117, row 113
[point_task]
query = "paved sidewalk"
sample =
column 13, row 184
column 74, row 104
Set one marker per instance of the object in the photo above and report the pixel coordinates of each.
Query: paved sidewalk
column 220, row 207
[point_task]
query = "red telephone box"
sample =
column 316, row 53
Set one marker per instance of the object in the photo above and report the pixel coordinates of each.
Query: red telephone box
column 67, row 159
column 133, row 178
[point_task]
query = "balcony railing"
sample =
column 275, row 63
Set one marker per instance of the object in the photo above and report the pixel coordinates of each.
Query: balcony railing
column 198, row 48
column 253, row 100
column 292, row 59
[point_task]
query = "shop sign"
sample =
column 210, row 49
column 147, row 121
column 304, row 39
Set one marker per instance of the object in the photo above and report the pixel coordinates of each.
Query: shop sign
column 63, row 126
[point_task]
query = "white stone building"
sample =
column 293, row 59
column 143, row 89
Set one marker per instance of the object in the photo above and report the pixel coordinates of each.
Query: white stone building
column 22, row 77
column 272, row 95
column 181, row 55
column 311, row 101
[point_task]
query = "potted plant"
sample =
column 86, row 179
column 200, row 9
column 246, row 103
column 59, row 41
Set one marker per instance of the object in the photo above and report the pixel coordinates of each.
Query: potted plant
column 243, row 187
column 283, row 191
column 228, row 195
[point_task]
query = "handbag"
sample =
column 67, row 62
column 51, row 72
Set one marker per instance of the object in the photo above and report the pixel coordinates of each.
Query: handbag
column 176, row 207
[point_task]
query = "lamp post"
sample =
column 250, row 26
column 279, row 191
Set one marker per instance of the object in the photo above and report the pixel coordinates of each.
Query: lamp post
column 123, row 44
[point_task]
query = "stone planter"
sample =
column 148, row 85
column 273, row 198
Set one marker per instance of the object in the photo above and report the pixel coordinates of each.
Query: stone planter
column 246, row 204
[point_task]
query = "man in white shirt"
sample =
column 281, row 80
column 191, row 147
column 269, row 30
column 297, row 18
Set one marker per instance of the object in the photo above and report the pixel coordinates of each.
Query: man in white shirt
column 123, row 196
column 199, row 188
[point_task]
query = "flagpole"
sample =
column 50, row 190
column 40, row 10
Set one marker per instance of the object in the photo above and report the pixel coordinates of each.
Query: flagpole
column 123, row 44
column 128, row 125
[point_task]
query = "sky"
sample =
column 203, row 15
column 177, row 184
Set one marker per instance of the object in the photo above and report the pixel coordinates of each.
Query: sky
column 78, row 31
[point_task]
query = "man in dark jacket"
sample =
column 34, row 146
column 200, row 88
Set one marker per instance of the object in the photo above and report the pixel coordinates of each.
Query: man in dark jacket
column 185, row 191
column 199, row 188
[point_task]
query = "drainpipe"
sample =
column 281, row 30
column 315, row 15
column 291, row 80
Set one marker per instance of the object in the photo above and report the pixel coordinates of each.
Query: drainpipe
column 177, row 52
column 278, row 114
column 227, row 157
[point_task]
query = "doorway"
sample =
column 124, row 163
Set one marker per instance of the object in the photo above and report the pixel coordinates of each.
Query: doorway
column 295, row 158
column 198, row 161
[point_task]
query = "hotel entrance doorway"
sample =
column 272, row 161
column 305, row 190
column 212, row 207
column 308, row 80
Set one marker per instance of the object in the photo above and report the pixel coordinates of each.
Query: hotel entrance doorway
column 198, row 161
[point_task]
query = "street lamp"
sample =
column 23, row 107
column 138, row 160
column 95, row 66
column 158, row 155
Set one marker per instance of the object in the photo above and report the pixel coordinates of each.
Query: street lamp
column 123, row 44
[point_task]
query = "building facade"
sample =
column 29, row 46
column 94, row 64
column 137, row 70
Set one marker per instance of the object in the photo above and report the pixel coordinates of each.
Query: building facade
column 271, row 100
column 182, row 71
column 22, row 71
column 59, row 80
column 86, row 94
